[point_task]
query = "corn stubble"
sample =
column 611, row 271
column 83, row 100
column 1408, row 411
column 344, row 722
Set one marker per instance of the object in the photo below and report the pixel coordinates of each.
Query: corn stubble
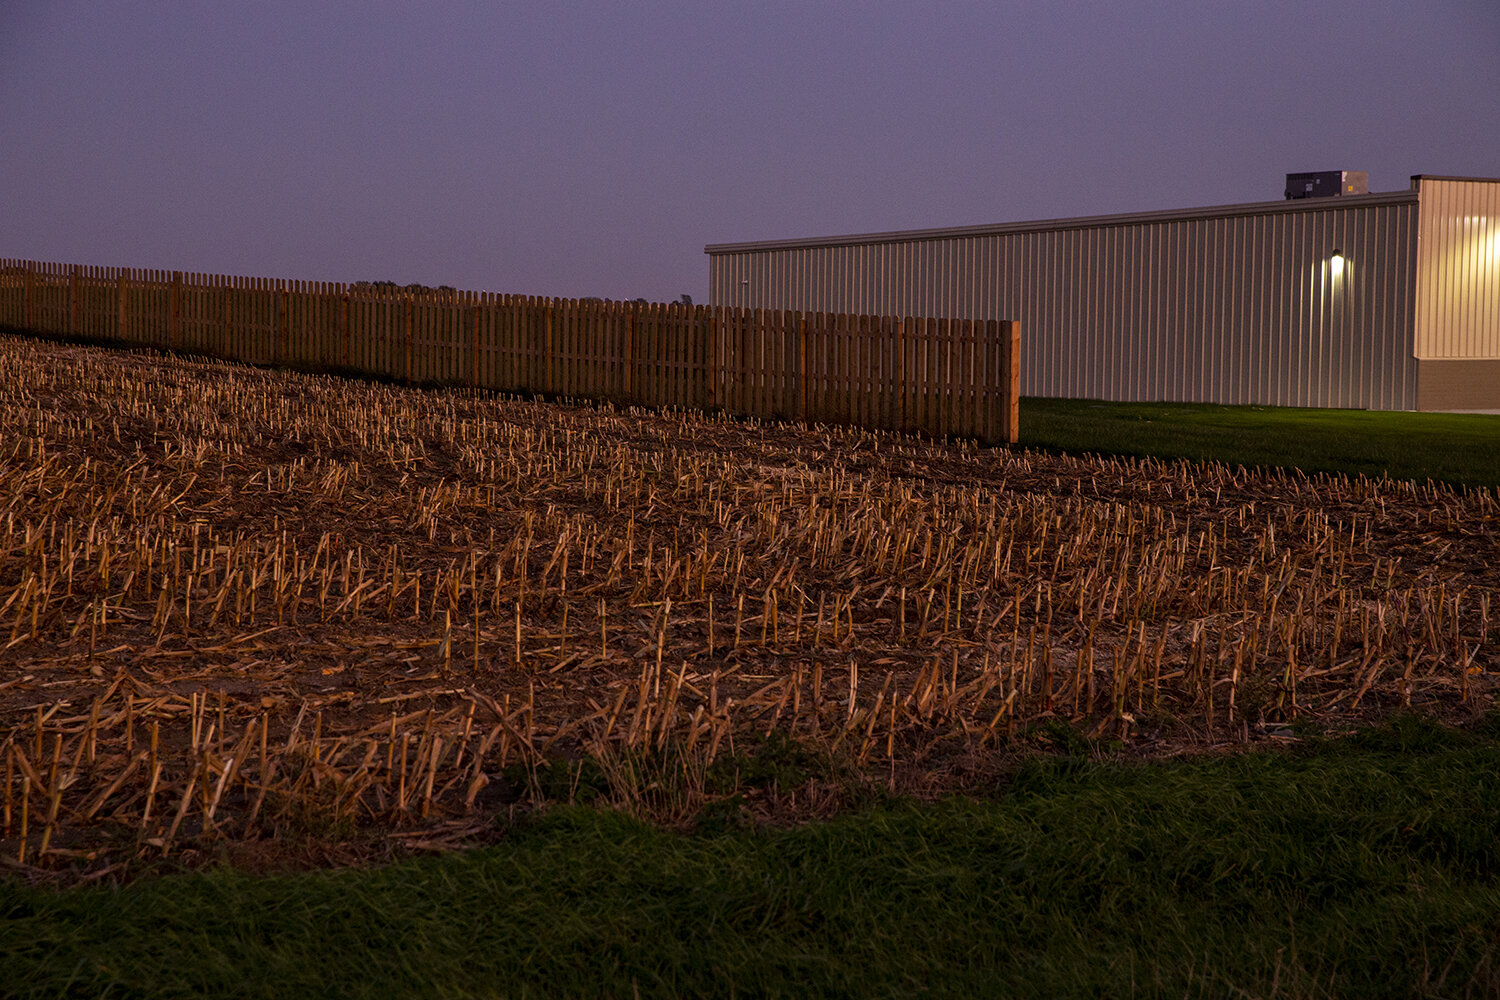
column 237, row 604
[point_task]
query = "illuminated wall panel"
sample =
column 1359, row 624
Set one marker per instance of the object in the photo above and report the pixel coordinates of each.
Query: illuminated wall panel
column 1458, row 269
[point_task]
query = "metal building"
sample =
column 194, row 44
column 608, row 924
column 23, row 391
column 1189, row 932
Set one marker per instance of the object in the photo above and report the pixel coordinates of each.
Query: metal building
column 1377, row 301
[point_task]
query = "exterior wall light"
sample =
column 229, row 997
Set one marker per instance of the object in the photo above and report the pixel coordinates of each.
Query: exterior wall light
column 1336, row 263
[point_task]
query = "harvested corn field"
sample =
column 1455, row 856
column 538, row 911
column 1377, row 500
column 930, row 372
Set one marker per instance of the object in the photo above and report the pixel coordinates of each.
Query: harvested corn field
column 239, row 607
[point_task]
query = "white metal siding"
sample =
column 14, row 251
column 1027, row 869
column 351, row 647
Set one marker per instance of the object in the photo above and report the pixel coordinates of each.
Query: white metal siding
column 1458, row 268
column 1238, row 307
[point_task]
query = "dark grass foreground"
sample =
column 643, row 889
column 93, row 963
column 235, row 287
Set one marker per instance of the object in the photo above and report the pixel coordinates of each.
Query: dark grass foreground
column 1463, row 449
column 1364, row 867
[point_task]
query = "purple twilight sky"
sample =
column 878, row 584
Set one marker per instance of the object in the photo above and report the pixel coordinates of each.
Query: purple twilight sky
column 593, row 148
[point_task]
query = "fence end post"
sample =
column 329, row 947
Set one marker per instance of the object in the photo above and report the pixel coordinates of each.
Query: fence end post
column 1012, row 349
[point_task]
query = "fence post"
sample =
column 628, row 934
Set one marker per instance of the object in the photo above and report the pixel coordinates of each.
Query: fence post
column 284, row 323
column 227, row 339
column 174, row 308
column 121, row 326
column 344, row 330
column 901, row 387
column 801, row 366
column 409, row 309
column 473, row 313
column 630, row 320
column 715, row 358
column 73, row 300
column 551, row 309
column 26, row 298
column 880, row 375
column 1011, row 351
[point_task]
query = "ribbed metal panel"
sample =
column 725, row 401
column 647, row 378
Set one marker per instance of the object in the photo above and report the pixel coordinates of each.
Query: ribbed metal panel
column 1458, row 269
column 1243, row 304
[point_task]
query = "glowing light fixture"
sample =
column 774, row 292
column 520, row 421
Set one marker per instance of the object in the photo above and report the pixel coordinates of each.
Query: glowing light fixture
column 1336, row 263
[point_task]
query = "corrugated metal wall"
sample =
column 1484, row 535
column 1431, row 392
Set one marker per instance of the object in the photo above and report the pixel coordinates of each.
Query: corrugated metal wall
column 1458, row 269
column 1243, row 304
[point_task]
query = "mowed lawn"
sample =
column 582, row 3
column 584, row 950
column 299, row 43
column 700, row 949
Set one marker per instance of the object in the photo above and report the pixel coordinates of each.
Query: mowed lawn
column 1362, row 867
column 1463, row 449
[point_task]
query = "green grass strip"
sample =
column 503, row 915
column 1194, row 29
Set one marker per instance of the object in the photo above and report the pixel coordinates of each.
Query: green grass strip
column 1463, row 449
column 1365, row 867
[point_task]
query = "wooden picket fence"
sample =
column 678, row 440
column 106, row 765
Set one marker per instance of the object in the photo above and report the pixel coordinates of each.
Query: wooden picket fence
column 939, row 376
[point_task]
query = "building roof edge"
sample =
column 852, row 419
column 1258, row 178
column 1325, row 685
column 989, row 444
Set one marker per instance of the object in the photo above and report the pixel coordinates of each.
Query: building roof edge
column 1088, row 221
column 1449, row 177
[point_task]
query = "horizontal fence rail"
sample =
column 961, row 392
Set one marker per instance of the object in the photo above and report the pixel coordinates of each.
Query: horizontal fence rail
column 938, row 376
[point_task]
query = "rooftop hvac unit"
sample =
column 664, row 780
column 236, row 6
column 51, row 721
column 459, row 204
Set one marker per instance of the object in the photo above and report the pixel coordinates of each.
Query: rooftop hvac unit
column 1327, row 184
